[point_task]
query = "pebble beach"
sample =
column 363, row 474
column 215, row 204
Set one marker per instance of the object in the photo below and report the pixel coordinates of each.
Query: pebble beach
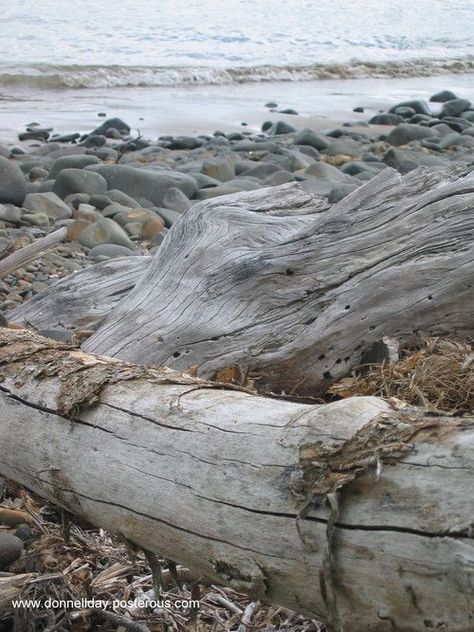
column 119, row 192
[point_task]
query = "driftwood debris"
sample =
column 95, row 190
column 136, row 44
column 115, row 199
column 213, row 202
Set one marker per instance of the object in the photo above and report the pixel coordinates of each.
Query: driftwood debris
column 355, row 512
column 276, row 287
column 85, row 297
column 38, row 247
column 293, row 298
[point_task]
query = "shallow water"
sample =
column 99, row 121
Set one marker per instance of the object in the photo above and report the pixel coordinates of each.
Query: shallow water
column 191, row 109
column 100, row 43
column 176, row 66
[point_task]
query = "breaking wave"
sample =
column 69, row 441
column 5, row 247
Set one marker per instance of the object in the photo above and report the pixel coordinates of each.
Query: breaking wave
column 46, row 76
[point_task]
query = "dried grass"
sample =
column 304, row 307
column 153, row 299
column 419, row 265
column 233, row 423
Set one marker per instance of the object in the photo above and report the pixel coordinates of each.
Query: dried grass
column 437, row 374
column 92, row 564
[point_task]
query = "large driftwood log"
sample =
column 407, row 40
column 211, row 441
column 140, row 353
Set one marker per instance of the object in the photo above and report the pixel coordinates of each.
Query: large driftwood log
column 83, row 298
column 260, row 283
column 355, row 512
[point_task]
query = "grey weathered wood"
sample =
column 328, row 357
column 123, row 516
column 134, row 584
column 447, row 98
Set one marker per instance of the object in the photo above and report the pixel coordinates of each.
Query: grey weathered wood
column 83, row 298
column 32, row 251
column 260, row 282
column 214, row 478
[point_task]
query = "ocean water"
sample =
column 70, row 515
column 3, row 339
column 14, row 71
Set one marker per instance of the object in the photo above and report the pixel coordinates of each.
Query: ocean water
column 98, row 43
column 67, row 54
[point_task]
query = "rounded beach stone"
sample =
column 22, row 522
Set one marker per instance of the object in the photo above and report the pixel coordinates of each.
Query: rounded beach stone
column 76, row 161
column 11, row 548
column 406, row 132
column 455, row 107
column 309, row 137
column 109, row 251
column 443, row 96
column 144, row 183
column 79, row 181
column 281, row 127
column 13, row 184
column 104, row 231
column 48, row 203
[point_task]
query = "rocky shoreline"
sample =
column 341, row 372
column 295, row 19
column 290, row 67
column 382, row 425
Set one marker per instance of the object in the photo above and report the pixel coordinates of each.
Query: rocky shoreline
column 118, row 194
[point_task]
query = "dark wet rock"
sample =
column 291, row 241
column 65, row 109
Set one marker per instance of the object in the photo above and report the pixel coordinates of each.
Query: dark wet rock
column 94, row 140
column 277, row 178
column 443, row 96
column 144, row 183
column 400, row 160
column 266, row 125
column 251, row 145
column 13, row 184
column 100, row 201
column 405, row 112
column 358, row 109
column 72, row 162
column 420, row 107
column 122, row 198
column 468, row 115
column 115, row 123
column 456, row 123
column 406, row 133
column 175, row 200
column 308, row 137
column 204, row 181
column 34, row 135
column 280, row 127
column 104, row 153
column 340, row 191
column 312, row 152
column 271, row 104
column 79, row 181
column 386, row 118
column 185, row 142
column 455, row 107
column 288, row 111
column 65, row 138
column 168, row 216
column 11, row 549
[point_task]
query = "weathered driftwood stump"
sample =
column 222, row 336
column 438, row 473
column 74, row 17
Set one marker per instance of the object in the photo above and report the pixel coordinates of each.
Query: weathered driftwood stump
column 272, row 285
column 356, row 512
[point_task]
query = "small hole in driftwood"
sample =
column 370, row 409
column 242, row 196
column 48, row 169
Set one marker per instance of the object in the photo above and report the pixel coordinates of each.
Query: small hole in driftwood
column 347, row 307
column 321, row 357
column 289, row 272
column 430, row 298
column 338, row 361
column 372, row 327
column 176, row 354
column 327, row 375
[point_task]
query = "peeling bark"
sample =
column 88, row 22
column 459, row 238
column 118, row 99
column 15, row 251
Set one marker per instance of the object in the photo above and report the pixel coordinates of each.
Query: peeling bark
column 354, row 512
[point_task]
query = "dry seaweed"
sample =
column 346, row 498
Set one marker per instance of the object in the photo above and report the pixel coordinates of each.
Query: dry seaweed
column 91, row 564
column 438, row 375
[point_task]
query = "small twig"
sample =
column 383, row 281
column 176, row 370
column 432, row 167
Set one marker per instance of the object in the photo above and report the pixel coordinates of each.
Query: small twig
column 247, row 616
column 156, row 571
